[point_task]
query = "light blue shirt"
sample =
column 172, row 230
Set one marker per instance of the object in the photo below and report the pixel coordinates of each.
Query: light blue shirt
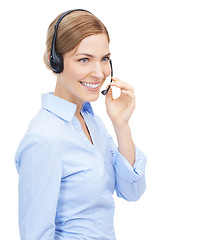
column 66, row 183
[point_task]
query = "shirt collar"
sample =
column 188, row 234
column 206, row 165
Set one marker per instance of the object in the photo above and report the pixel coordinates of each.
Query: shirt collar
column 61, row 107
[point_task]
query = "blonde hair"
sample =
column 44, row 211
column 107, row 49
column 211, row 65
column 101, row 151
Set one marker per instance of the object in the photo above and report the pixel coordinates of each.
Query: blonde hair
column 73, row 28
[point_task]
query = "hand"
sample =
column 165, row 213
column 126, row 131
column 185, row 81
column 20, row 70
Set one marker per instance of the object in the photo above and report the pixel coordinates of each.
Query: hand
column 121, row 108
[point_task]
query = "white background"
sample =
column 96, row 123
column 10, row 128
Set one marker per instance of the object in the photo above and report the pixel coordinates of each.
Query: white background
column 170, row 52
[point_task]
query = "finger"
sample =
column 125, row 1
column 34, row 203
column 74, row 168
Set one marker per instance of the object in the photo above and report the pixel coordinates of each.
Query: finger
column 121, row 84
column 130, row 95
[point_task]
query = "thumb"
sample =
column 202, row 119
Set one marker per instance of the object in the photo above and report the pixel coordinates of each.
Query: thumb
column 109, row 96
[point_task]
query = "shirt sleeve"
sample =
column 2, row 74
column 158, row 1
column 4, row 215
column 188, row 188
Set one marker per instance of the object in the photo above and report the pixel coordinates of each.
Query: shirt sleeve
column 130, row 181
column 39, row 170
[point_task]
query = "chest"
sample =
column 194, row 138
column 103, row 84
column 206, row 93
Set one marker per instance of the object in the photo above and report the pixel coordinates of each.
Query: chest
column 85, row 128
column 86, row 165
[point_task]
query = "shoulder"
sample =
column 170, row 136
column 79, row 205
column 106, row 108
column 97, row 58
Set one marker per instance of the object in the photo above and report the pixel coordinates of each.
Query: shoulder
column 44, row 125
column 39, row 132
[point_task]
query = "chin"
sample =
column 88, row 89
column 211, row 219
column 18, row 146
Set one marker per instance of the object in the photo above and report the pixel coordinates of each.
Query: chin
column 91, row 98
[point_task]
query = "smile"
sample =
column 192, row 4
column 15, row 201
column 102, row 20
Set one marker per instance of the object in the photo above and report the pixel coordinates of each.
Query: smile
column 90, row 85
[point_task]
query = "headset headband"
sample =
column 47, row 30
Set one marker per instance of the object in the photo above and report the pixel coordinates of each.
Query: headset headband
column 56, row 60
column 66, row 13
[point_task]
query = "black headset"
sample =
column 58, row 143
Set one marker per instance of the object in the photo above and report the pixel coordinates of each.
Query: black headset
column 56, row 59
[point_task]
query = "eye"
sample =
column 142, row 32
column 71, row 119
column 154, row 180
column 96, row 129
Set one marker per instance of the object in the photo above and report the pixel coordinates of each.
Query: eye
column 83, row 60
column 105, row 59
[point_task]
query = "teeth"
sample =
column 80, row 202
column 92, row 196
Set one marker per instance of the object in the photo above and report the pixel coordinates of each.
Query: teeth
column 90, row 85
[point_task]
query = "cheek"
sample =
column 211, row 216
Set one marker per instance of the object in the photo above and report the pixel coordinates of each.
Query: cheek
column 75, row 73
column 78, row 75
column 107, row 72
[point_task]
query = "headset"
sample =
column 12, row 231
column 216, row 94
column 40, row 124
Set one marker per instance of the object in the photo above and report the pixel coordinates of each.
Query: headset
column 104, row 92
column 56, row 59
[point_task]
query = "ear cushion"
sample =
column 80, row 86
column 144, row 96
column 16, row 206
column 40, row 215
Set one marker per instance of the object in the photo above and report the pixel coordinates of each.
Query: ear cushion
column 56, row 60
column 56, row 63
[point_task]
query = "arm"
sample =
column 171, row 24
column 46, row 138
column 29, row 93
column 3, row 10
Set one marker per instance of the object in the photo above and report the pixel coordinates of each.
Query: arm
column 129, row 160
column 120, row 111
column 39, row 182
column 125, row 143
column 130, row 181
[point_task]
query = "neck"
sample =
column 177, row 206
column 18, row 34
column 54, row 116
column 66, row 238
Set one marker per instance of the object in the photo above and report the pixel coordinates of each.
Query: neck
column 61, row 92
column 78, row 112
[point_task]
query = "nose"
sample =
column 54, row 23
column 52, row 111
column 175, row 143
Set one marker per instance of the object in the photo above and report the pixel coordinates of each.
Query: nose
column 97, row 71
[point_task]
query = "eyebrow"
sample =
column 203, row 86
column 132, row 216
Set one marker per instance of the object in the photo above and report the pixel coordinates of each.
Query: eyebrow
column 91, row 56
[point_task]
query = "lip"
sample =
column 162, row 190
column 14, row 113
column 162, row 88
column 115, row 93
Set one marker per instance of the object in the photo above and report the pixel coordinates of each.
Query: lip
column 91, row 88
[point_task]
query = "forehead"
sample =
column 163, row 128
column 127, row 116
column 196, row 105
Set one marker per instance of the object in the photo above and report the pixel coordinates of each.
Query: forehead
column 94, row 44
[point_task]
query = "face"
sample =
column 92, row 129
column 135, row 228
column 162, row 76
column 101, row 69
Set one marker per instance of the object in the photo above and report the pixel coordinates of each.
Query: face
column 85, row 70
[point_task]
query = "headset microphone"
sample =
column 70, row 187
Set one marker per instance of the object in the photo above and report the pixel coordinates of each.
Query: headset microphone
column 104, row 92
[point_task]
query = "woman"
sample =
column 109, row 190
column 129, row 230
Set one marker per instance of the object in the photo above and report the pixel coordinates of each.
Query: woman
column 68, row 165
